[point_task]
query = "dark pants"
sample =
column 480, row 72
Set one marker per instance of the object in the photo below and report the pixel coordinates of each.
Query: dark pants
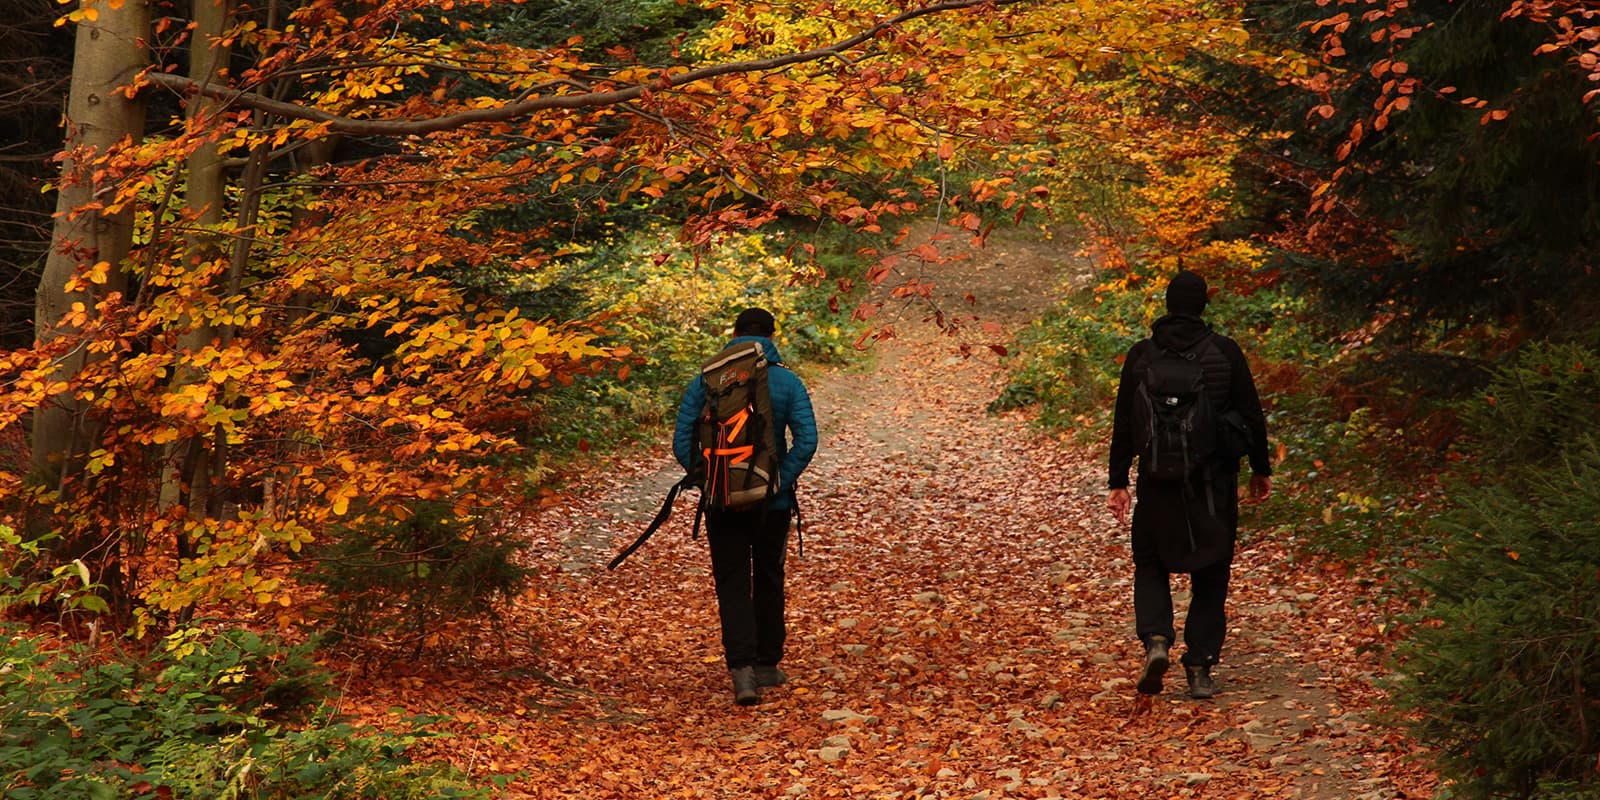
column 1207, row 622
column 1157, row 520
column 747, row 560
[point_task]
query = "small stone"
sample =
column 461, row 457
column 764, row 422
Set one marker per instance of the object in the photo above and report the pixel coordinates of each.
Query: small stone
column 839, row 740
column 929, row 598
column 1196, row 778
column 832, row 755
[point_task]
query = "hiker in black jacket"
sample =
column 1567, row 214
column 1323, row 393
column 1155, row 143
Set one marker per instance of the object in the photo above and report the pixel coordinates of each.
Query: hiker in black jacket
column 1187, row 525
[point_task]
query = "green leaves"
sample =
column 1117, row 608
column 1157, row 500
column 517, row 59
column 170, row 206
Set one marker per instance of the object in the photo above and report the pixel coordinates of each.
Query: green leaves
column 230, row 715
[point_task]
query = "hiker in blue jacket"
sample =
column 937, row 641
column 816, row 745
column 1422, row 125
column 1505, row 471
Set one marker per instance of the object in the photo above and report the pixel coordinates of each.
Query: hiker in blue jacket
column 1175, row 527
column 748, row 547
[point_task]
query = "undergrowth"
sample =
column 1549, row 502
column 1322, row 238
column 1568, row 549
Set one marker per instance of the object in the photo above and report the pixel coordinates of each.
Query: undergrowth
column 230, row 715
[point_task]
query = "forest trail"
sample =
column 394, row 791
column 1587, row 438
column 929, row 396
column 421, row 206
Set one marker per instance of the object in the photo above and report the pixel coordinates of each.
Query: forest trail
column 960, row 623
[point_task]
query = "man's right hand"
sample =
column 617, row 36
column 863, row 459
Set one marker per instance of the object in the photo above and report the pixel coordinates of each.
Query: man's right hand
column 1119, row 501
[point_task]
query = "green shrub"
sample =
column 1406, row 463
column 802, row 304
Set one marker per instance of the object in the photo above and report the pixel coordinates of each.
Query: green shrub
column 1501, row 673
column 1066, row 365
column 1535, row 405
column 396, row 582
column 229, row 716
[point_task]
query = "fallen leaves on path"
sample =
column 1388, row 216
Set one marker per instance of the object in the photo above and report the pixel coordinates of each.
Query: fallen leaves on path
column 960, row 626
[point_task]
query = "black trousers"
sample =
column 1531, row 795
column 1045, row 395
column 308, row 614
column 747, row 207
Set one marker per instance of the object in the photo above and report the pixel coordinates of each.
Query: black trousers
column 1157, row 519
column 748, row 549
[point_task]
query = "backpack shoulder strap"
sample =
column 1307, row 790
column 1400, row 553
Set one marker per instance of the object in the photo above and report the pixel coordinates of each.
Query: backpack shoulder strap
column 1197, row 349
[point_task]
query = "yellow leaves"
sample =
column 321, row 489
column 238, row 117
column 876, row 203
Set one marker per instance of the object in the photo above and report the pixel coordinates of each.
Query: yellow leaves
column 99, row 459
column 98, row 273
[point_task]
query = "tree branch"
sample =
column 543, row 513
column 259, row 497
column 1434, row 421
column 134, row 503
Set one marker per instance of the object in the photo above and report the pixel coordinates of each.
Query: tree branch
column 522, row 108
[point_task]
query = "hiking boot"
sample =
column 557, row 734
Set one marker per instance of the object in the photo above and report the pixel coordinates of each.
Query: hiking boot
column 1155, row 665
column 1201, row 687
column 745, row 690
column 770, row 676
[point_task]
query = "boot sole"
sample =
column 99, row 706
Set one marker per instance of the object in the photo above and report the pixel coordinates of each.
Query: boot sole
column 1154, row 668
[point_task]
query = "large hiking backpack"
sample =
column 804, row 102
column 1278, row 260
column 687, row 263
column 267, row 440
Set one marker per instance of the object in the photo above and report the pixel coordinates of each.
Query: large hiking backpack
column 738, row 465
column 1175, row 425
column 734, row 435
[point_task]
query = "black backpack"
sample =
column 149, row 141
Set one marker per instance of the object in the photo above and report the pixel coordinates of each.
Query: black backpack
column 1175, row 425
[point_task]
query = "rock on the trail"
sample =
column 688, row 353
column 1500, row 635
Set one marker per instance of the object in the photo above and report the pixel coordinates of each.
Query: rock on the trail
column 844, row 716
column 1024, row 727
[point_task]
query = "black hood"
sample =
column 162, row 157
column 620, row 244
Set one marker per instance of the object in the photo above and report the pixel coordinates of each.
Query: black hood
column 1178, row 331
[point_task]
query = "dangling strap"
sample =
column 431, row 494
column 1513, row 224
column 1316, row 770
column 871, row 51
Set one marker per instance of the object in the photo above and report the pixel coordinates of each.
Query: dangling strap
column 799, row 529
column 661, row 518
column 699, row 514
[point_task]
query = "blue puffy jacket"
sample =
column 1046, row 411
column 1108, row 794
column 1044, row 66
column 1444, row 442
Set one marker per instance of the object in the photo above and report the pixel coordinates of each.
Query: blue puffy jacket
column 791, row 411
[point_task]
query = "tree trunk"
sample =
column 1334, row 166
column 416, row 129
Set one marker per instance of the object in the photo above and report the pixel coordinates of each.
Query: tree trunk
column 185, row 477
column 109, row 52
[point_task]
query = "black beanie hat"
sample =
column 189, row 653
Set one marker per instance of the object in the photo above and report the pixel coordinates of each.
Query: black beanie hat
column 1186, row 294
column 754, row 322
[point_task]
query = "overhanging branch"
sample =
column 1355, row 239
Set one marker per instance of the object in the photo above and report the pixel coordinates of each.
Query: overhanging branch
column 533, row 105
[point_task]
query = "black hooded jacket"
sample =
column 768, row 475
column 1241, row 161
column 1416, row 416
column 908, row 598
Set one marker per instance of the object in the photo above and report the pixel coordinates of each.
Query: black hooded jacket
column 1228, row 379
